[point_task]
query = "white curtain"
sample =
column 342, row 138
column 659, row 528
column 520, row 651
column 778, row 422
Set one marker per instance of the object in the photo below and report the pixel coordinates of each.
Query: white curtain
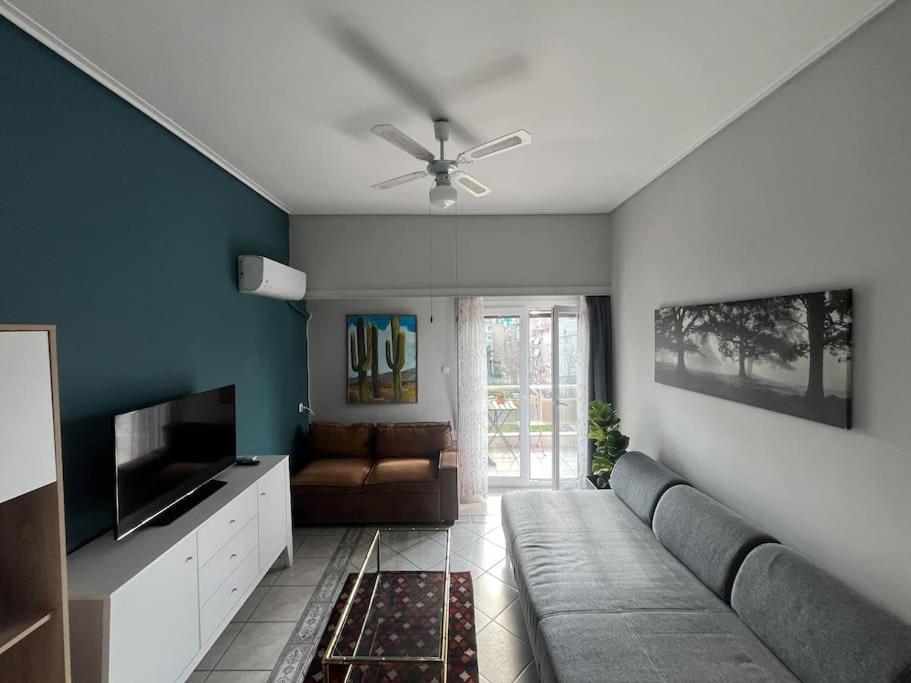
column 582, row 389
column 472, row 401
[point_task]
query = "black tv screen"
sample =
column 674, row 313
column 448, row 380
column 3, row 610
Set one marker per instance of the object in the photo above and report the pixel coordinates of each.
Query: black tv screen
column 167, row 451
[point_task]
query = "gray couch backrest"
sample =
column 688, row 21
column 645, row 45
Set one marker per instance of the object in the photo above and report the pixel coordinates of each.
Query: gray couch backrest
column 640, row 481
column 820, row 628
column 711, row 540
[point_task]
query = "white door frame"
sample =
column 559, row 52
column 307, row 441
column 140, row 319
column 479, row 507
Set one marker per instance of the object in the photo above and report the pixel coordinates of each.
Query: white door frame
column 521, row 309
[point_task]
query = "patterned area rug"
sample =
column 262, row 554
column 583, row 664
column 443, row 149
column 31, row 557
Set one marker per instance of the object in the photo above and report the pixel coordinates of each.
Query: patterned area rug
column 408, row 620
column 305, row 637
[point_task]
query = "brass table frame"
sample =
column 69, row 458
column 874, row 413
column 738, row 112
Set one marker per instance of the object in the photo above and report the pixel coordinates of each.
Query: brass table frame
column 332, row 661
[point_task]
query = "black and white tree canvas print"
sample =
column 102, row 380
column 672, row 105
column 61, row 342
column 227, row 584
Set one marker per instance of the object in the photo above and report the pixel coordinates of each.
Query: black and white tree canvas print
column 789, row 353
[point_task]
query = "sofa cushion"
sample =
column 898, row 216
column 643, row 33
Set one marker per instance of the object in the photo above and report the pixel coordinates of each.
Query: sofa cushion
column 341, row 475
column 819, row 627
column 526, row 512
column 615, row 571
column 711, row 540
column 412, row 439
column 654, row 647
column 640, row 481
column 339, row 440
column 405, row 475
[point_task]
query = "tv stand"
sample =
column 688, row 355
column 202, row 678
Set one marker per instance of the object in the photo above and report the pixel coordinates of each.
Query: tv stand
column 146, row 609
column 187, row 503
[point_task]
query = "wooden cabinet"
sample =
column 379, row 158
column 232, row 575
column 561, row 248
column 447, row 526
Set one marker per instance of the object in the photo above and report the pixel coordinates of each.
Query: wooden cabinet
column 33, row 604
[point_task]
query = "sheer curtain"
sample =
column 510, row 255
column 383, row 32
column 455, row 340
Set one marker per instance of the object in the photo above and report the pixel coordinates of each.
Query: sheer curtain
column 472, row 351
column 582, row 390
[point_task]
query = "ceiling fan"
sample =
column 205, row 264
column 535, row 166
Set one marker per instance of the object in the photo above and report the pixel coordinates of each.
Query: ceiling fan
column 446, row 171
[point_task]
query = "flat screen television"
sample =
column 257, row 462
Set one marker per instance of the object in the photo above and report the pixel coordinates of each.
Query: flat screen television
column 165, row 452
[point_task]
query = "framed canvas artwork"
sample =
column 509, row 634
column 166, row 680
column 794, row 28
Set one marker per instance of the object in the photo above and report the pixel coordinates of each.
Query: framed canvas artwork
column 382, row 358
column 791, row 354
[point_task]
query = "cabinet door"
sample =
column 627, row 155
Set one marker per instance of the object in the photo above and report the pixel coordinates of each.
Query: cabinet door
column 273, row 515
column 27, row 450
column 154, row 629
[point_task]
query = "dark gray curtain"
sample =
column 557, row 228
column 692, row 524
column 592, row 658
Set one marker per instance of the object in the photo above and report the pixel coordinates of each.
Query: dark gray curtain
column 601, row 354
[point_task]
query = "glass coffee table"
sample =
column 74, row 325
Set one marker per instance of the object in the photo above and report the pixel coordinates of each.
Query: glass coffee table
column 395, row 621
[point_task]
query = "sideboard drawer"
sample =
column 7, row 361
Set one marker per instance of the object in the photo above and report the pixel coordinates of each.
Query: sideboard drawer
column 228, row 595
column 225, row 561
column 221, row 526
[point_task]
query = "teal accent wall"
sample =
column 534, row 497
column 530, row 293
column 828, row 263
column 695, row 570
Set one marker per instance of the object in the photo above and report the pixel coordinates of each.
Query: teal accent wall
column 126, row 238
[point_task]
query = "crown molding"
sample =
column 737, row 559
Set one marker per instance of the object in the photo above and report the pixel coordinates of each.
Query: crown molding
column 814, row 56
column 50, row 40
column 424, row 292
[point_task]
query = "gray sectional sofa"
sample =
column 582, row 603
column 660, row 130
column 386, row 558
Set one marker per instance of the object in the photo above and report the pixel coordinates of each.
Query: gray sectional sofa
column 655, row 581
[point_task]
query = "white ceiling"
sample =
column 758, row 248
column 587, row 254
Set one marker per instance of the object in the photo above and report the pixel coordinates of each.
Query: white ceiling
column 284, row 92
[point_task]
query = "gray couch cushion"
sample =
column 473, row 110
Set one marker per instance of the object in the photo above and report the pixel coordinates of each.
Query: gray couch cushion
column 700, row 647
column 615, row 571
column 711, row 540
column 819, row 627
column 640, row 481
column 566, row 511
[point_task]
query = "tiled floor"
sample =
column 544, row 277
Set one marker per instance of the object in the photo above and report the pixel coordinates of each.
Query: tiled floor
column 251, row 645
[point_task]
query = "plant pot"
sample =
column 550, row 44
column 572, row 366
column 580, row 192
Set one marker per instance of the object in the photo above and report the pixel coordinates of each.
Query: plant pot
column 594, row 480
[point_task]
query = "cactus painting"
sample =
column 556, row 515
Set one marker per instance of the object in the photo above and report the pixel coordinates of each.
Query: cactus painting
column 377, row 377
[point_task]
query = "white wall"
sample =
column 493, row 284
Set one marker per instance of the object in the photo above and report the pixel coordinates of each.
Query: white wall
column 382, row 264
column 362, row 255
column 436, row 348
column 811, row 189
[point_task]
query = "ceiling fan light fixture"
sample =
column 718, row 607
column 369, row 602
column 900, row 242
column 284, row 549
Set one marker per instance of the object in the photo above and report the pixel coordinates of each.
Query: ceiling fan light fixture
column 443, row 195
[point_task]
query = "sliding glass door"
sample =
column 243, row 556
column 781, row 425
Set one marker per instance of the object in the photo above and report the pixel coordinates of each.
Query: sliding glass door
column 532, row 413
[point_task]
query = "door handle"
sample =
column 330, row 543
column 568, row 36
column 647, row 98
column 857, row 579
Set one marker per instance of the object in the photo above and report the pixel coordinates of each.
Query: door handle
column 233, row 555
column 188, row 559
column 233, row 521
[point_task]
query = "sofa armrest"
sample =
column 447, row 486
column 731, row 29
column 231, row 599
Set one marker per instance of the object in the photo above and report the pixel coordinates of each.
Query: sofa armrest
column 449, row 483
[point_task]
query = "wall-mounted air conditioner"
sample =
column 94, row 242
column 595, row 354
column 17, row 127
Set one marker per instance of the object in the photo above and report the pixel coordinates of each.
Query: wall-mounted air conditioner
column 262, row 276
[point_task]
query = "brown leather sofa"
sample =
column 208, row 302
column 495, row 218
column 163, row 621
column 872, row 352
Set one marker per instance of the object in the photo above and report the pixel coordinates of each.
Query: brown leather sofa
column 377, row 473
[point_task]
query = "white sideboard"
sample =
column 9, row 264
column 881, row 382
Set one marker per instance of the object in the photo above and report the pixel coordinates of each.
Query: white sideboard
column 149, row 607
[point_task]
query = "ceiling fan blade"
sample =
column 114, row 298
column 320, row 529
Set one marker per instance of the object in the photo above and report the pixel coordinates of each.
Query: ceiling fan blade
column 472, row 184
column 513, row 140
column 402, row 179
column 394, row 136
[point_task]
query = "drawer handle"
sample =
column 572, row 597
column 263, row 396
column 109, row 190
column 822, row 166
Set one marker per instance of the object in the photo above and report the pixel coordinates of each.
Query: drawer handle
column 233, row 555
column 233, row 521
column 262, row 493
column 233, row 590
column 188, row 559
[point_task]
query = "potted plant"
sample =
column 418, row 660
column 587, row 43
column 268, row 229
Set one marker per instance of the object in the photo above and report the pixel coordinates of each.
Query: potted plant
column 501, row 398
column 610, row 443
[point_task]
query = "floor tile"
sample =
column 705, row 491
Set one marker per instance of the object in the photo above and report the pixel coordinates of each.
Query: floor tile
column 503, row 571
column 512, row 620
column 425, row 554
column 270, row 577
column 257, row 647
column 238, row 677
column 530, row 675
column 483, row 553
column 501, row 656
column 480, row 620
column 219, row 647
column 251, row 604
column 492, row 596
column 307, row 571
column 317, row 546
column 398, row 564
column 457, row 563
column 461, row 536
column 496, row 536
column 283, row 603
column 402, row 540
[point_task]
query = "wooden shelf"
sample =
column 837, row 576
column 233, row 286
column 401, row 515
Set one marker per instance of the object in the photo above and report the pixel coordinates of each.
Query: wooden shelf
column 14, row 628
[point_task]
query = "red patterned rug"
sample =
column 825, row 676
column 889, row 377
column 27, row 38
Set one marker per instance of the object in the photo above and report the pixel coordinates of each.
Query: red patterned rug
column 405, row 600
